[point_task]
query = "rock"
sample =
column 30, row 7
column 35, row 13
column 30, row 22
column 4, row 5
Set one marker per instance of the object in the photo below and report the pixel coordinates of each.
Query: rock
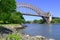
column 4, row 30
column 51, row 39
column 20, row 27
column 28, row 37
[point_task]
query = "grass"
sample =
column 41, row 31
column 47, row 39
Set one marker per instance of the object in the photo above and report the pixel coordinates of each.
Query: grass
column 10, row 25
column 13, row 37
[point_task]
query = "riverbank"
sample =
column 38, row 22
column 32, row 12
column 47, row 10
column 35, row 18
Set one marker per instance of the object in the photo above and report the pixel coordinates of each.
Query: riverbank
column 17, row 36
column 23, row 36
column 13, row 27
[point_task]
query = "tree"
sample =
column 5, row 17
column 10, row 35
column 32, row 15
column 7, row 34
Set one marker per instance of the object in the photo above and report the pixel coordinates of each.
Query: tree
column 38, row 21
column 8, row 13
column 16, row 17
column 27, row 21
column 4, row 17
column 55, row 20
column 7, row 6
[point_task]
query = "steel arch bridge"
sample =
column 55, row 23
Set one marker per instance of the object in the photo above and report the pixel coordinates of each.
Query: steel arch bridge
column 45, row 15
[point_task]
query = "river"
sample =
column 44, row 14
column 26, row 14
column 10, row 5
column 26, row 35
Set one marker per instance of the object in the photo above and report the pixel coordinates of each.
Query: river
column 47, row 30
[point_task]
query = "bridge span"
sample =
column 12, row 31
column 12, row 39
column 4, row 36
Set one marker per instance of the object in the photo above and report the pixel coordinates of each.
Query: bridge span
column 47, row 16
column 31, row 15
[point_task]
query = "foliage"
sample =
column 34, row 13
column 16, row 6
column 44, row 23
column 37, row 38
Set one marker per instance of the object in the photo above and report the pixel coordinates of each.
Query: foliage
column 13, row 37
column 16, row 17
column 7, row 6
column 38, row 21
column 4, row 17
column 8, row 13
column 56, row 20
column 27, row 21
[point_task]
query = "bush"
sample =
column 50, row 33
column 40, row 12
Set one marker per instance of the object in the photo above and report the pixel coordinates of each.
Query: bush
column 13, row 37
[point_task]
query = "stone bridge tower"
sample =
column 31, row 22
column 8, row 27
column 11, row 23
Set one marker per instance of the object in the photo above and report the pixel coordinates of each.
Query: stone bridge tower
column 48, row 19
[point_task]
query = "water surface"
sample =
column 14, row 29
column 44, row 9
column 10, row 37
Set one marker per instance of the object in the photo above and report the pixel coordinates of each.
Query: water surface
column 47, row 30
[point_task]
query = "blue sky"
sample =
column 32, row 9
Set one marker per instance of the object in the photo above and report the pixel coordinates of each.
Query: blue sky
column 45, row 5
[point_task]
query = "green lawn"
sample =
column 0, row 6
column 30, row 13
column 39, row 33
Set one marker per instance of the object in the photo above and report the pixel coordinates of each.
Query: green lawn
column 13, row 25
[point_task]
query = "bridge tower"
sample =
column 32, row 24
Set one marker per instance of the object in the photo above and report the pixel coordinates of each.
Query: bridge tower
column 48, row 19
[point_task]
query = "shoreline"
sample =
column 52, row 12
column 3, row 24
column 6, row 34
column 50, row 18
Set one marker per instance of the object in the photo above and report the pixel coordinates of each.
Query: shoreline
column 24, row 36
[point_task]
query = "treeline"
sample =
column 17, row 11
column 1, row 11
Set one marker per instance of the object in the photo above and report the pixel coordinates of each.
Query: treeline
column 35, row 21
column 54, row 21
column 8, row 13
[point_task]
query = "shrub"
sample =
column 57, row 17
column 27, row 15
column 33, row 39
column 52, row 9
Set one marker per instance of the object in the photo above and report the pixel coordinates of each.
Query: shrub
column 13, row 37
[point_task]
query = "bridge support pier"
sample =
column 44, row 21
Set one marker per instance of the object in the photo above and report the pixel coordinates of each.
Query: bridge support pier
column 48, row 19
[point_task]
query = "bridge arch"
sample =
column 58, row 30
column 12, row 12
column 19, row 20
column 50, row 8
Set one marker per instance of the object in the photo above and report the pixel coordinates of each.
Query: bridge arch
column 37, row 10
column 45, row 15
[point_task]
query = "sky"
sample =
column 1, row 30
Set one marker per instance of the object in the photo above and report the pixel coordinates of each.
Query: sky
column 45, row 5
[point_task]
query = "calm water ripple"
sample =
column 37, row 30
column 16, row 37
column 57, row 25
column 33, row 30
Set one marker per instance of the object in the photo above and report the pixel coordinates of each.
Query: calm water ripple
column 47, row 30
